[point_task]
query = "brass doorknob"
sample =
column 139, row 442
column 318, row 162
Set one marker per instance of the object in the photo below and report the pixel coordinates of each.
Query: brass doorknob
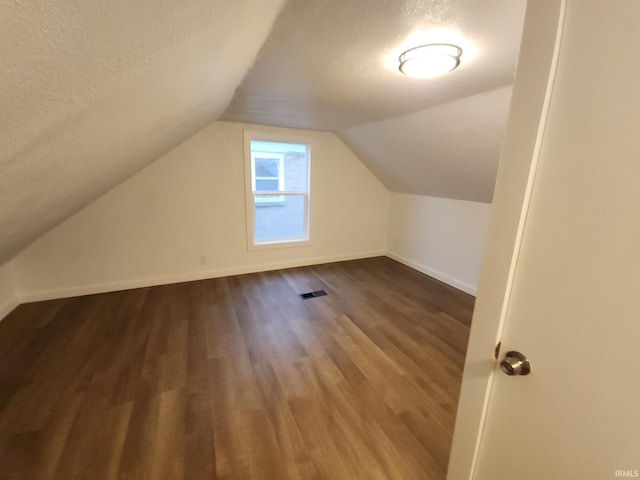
column 515, row 363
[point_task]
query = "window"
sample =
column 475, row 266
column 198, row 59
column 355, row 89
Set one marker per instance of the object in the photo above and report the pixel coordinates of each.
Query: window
column 278, row 177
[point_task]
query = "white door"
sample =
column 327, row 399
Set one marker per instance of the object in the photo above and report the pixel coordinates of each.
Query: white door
column 574, row 303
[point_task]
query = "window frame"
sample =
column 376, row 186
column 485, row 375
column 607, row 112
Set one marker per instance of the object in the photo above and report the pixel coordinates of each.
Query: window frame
column 250, row 193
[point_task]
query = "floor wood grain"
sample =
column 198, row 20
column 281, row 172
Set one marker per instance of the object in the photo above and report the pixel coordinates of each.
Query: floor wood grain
column 238, row 378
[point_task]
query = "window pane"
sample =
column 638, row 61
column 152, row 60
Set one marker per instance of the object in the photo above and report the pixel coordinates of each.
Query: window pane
column 266, row 167
column 295, row 171
column 279, row 220
column 266, row 185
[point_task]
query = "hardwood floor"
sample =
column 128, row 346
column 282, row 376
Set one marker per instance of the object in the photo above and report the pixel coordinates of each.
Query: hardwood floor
column 237, row 378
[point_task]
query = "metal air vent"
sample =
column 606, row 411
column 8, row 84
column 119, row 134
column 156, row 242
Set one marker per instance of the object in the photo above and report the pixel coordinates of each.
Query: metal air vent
column 317, row 293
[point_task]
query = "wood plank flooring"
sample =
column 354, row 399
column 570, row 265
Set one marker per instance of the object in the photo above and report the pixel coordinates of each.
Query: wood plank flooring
column 237, row 378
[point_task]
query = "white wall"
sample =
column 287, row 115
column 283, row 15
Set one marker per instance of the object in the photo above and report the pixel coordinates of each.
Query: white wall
column 8, row 297
column 440, row 237
column 183, row 218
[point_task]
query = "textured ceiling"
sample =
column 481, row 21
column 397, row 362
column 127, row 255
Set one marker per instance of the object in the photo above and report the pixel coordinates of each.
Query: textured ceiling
column 450, row 150
column 332, row 64
column 92, row 90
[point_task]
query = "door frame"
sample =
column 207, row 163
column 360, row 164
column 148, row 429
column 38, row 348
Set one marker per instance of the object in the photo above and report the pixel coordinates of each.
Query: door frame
column 532, row 92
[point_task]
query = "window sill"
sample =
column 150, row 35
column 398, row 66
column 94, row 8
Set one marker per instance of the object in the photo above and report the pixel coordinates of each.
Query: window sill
column 279, row 244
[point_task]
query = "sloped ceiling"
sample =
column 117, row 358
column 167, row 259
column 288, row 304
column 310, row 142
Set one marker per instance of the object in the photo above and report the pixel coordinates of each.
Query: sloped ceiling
column 450, row 151
column 332, row 65
column 91, row 91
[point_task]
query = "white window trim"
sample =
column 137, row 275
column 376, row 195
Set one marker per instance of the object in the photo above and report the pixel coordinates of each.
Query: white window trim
column 250, row 135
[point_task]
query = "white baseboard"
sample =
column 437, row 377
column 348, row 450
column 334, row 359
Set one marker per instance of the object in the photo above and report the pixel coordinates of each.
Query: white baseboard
column 465, row 287
column 66, row 292
column 35, row 296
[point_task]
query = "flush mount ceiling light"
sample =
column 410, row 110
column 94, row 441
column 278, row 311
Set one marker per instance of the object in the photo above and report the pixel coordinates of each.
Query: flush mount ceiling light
column 427, row 61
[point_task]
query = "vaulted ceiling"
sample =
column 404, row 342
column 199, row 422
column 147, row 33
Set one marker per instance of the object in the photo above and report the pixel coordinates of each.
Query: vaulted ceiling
column 92, row 91
column 332, row 64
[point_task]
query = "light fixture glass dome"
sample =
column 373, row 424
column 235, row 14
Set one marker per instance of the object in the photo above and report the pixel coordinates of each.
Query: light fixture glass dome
column 428, row 61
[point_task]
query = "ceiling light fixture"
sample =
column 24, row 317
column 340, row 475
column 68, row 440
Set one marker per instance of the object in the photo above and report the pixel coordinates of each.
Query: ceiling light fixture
column 428, row 61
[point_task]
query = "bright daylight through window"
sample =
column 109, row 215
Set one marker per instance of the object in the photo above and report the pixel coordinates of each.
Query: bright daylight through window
column 278, row 191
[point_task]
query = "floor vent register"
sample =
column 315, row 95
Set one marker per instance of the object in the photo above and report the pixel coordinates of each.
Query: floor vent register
column 317, row 293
